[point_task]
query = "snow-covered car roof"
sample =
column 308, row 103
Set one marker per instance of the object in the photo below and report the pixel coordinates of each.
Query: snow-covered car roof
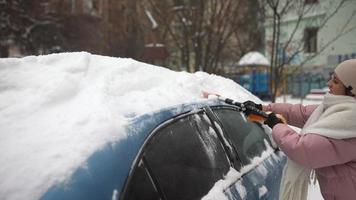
column 58, row 110
column 107, row 169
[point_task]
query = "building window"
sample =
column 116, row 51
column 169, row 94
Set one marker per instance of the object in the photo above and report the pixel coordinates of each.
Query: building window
column 311, row 1
column 310, row 40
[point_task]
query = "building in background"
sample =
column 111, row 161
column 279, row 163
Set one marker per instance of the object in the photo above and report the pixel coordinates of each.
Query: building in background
column 155, row 51
column 322, row 37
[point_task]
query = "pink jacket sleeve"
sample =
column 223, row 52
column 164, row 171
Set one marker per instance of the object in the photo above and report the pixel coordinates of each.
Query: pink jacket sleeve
column 296, row 115
column 313, row 150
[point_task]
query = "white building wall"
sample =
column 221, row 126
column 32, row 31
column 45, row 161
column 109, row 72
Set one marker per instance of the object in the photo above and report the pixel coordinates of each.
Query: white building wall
column 345, row 46
column 342, row 48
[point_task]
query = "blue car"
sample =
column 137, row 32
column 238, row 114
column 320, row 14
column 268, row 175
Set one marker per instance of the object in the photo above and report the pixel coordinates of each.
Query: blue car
column 179, row 153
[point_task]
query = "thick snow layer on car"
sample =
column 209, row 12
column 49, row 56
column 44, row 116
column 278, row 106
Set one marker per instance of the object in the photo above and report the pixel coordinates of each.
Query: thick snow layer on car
column 56, row 110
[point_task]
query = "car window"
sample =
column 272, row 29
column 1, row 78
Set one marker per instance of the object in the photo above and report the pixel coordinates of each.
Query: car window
column 247, row 137
column 186, row 157
column 141, row 185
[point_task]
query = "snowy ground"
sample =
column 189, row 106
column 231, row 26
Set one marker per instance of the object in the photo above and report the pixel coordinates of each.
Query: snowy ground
column 290, row 99
column 314, row 191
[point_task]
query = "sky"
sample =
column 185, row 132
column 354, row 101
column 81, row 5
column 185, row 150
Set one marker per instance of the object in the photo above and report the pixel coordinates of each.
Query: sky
column 56, row 110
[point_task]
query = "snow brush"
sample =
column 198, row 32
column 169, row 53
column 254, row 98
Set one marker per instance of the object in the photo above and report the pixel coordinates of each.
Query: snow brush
column 255, row 114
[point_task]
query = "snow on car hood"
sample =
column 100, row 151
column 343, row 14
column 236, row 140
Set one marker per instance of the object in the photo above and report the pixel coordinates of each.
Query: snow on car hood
column 56, row 110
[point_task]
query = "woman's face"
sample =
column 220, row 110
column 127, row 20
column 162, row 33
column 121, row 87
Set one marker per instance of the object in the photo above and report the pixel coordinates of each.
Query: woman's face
column 335, row 86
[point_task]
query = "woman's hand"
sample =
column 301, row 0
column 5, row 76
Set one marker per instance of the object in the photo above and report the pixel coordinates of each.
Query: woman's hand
column 252, row 104
column 272, row 120
column 207, row 94
column 265, row 108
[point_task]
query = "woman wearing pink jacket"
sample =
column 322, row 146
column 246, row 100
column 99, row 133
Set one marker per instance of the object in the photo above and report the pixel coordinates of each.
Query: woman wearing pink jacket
column 326, row 143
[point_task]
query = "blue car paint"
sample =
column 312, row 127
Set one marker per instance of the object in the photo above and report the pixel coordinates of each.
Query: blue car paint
column 108, row 168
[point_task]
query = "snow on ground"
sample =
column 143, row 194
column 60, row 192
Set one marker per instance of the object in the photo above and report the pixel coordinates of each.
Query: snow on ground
column 56, row 110
column 290, row 99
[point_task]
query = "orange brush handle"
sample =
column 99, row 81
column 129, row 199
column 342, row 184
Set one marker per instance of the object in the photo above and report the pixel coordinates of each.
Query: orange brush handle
column 261, row 119
column 256, row 118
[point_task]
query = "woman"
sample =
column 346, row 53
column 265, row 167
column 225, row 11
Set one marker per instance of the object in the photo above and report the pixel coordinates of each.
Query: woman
column 326, row 143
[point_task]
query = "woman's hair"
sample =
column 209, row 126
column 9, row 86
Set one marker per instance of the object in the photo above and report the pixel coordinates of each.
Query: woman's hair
column 348, row 91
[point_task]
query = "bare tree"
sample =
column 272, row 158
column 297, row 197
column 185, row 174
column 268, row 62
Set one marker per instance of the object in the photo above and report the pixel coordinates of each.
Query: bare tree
column 277, row 11
column 109, row 27
column 249, row 35
column 199, row 32
column 21, row 23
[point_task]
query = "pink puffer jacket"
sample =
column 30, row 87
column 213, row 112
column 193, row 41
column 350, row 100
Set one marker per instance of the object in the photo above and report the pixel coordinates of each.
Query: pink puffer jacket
column 334, row 160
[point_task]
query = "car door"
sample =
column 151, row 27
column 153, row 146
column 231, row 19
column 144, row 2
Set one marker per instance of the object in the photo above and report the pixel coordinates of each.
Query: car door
column 261, row 173
column 182, row 159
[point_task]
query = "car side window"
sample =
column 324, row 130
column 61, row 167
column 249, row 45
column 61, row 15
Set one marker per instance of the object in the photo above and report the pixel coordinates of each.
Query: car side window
column 186, row 157
column 247, row 137
column 141, row 185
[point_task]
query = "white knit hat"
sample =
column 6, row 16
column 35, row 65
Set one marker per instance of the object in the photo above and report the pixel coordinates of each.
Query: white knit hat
column 346, row 72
